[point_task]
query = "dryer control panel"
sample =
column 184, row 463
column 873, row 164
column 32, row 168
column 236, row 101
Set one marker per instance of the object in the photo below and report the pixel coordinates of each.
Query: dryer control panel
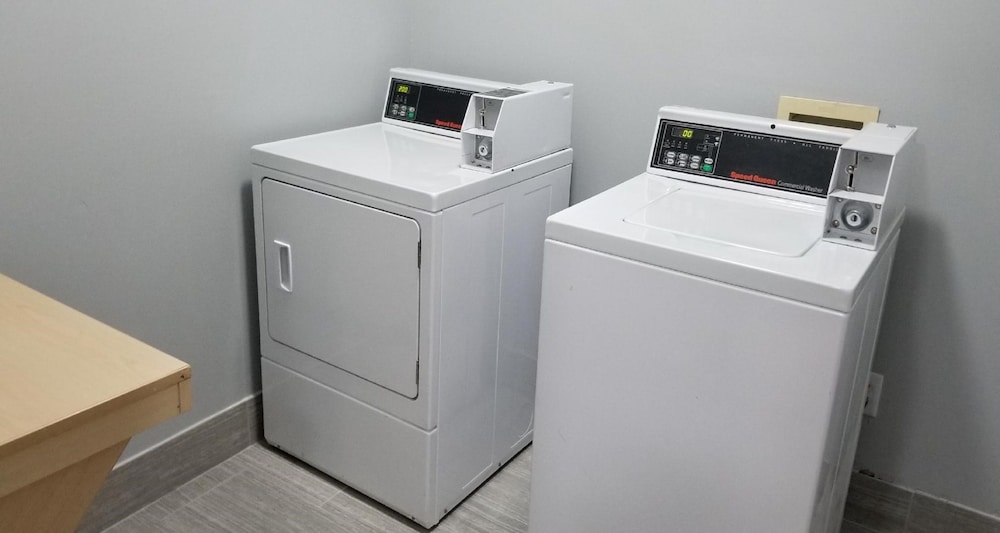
column 427, row 104
column 513, row 125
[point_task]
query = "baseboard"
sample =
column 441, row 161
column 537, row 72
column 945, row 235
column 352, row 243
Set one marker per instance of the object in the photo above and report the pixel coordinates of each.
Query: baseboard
column 137, row 483
column 875, row 506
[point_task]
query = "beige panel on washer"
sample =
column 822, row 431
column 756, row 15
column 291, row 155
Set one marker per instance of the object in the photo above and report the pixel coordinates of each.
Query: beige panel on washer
column 825, row 112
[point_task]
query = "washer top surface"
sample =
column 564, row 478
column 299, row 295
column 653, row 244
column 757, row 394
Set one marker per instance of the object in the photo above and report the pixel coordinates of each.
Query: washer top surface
column 758, row 242
column 398, row 164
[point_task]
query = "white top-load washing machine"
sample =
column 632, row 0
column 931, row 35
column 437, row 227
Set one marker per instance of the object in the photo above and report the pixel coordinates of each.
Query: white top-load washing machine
column 708, row 326
column 398, row 275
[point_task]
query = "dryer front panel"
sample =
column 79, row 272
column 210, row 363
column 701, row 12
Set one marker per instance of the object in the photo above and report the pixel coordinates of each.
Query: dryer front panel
column 343, row 284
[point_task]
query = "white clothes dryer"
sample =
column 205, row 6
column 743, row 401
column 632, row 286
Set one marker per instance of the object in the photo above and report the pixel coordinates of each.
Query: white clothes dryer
column 706, row 334
column 399, row 297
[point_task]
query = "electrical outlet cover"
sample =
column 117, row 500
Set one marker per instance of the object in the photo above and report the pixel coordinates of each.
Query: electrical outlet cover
column 874, row 394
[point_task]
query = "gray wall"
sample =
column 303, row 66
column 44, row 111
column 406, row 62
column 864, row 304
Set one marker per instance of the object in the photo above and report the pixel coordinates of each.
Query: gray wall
column 126, row 125
column 933, row 66
column 125, row 130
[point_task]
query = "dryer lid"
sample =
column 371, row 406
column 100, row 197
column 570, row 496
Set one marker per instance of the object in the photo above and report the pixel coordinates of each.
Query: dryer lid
column 398, row 164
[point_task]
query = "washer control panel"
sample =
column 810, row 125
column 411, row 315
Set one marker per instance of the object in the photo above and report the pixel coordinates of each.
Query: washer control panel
column 856, row 174
column 430, row 105
column 771, row 161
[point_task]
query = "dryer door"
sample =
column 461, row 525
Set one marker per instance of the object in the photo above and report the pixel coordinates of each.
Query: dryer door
column 343, row 283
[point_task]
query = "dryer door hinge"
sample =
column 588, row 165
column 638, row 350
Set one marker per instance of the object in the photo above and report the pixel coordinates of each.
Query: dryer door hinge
column 417, row 376
column 419, row 249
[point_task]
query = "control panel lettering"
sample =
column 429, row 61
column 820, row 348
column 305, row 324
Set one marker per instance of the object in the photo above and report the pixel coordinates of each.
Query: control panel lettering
column 430, row 105
column 763, row 160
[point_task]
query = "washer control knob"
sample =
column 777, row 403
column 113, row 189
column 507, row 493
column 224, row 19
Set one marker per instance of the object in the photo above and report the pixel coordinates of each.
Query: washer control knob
column 484, row 148
column 856, row 215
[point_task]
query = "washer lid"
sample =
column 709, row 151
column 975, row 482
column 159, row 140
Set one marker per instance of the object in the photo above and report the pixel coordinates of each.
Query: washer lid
column 768, row 225
column 412, row 168
column 762, row 243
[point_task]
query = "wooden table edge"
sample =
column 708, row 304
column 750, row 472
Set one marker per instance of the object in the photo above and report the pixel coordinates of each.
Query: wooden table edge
column 83, row 434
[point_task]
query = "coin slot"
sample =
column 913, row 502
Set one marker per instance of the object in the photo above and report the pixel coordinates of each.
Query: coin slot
column 825, row 121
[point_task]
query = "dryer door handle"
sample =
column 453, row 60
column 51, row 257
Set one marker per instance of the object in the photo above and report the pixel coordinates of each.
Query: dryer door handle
column 284, row 265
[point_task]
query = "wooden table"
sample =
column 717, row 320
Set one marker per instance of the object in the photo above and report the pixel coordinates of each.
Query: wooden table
column 73, row 391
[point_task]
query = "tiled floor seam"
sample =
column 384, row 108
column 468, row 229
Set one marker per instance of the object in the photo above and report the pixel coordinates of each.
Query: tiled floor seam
column 193, row 499
column 189, row 500
column 864, row 528
column 909, row 513
column 335, row 494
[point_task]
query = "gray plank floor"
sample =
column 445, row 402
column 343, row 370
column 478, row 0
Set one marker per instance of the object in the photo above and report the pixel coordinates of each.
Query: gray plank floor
column 263, row 490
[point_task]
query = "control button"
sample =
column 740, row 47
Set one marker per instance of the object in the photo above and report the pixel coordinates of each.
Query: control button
column 706, row 168
column 682, row 156
column 681, row 163
column 395, row 106
column 696, row 159
column 670, row 161
column 413, row 110
column 671, row 154
column 709, row 161
column 411, row 115
column 694, row 166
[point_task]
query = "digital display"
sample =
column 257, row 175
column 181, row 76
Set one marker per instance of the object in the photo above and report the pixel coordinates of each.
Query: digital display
column 759, row 159
column 429, row 105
